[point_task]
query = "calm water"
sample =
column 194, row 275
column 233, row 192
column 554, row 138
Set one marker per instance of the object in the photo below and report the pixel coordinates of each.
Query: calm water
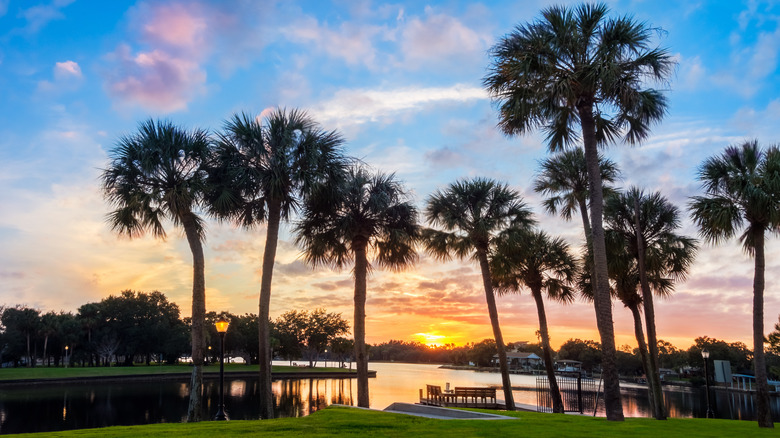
column 76, row 406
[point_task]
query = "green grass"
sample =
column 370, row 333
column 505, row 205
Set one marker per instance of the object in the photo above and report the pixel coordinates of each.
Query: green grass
column 341, row 421
column 7, row 374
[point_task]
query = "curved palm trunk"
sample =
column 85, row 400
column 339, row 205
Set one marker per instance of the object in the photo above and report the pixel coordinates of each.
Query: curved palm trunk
column 653, row 375
column 763, row 412
column 198, row 317
column 555, row 392
column 493, row 312
column 640, row 340
column 361, row 354
column 601, row 298
column 269, row 256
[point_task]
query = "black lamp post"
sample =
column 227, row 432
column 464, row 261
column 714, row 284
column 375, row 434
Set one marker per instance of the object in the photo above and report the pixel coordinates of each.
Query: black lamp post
column 706, row 356
column 222, row 326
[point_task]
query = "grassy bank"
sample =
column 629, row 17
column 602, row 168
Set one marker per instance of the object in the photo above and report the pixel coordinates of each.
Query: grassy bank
column 340, row 421
column 9, row 374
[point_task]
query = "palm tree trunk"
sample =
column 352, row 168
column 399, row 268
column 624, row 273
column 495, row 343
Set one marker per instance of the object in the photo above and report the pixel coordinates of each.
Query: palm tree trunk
column 269, row 256
column 493, row 312
column 555, row 392
column 601, row 298
column 361, row 354
column 653, row 375
column 640, row 340
column 198, row 317
column 763, row 411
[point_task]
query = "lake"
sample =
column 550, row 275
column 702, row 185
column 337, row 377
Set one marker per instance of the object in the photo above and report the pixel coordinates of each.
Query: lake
column 53, row 407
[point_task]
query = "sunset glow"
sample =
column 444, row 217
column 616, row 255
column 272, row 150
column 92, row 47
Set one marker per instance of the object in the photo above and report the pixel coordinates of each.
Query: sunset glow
column 403, row 83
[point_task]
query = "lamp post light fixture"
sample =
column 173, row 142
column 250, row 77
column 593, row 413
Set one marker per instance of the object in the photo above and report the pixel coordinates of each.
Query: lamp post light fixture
column 222, row 326
column 705, row 354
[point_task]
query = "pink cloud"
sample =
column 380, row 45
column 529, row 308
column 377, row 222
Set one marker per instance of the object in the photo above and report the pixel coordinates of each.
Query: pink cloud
column 156, row 80
column 349, row 42
column 439, row 36
column 67, row 70
column 178, row 26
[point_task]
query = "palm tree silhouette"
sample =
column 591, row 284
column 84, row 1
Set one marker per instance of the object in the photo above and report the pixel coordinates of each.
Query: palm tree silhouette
column 575, row 66
column 470, row 214
column 158, row 174
column 341, row 224
column 542, row 264
column 261, row 171
column 742, row 188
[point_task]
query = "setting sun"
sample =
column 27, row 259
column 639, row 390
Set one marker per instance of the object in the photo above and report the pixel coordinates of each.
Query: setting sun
column 430, row 339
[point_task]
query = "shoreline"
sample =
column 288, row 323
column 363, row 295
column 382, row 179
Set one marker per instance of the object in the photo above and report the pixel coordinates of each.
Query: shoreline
column 207, row 375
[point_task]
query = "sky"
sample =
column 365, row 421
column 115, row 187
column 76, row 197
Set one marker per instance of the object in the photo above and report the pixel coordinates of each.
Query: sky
column 402, row 82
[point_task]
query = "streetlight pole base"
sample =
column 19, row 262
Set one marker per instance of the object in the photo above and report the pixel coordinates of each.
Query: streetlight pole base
column 221, row 415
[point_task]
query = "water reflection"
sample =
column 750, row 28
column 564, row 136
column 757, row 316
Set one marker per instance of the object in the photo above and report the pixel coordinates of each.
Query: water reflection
column 76, row 406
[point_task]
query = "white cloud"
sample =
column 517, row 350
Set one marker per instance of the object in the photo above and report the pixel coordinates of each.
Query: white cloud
column 355, row 107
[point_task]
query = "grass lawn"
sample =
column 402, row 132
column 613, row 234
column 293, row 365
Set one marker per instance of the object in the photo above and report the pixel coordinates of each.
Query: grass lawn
column 341, row 421
column 75, row 372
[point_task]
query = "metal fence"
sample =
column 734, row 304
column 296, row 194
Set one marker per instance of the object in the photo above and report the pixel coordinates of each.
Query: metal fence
column 578, row 394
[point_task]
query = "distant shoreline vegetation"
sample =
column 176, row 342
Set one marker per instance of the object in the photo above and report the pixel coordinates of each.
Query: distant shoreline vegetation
column 106, row 338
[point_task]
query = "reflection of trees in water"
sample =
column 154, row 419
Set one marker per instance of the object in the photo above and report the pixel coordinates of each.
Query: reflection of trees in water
column 294, row 398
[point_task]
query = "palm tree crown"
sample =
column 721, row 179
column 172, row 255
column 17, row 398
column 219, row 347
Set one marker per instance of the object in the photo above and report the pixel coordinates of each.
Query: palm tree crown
column 547, row 71
column 364, row 209
column 564, row 180
column 742, row 185
column 156, row 174
column 471, row 214
column 276, row 160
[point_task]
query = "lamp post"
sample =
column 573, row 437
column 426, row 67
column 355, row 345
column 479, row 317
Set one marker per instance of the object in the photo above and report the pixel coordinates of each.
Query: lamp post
column 706, row 356
column 66, row 356
column 222, row 326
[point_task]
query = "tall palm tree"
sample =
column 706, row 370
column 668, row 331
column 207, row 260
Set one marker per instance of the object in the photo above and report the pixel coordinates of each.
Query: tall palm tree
column 742, row 188
column 365, row 215
column 470, row 214
column 575, row 66
column 668, row 261
column 542, row 264
column 648, row 223
column 158, row 174
column 261, row 171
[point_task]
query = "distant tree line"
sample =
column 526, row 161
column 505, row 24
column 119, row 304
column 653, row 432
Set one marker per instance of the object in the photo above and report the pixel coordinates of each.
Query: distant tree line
column 145, row 328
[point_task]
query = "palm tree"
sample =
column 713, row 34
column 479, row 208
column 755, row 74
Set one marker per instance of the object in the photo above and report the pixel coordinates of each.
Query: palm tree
column 155, row 175
column 366, row 214
column 742, row 188
column 668, row 260
column 577, row 67
column 471, row 213
column 262, row 170
column 542, row 264
column 647, row 224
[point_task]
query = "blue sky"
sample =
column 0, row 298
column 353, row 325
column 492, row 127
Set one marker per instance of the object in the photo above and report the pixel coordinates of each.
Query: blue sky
column 402, row 82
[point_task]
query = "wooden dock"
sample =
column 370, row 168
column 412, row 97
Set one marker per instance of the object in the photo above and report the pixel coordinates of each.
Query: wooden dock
column 460, row 397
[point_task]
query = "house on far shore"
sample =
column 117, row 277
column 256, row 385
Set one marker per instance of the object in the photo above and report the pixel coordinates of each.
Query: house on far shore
column 519, row 360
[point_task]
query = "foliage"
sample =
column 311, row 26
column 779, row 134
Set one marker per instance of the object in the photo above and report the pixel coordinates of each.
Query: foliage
column 482, row 353
column 304, row 334
column 588, row 352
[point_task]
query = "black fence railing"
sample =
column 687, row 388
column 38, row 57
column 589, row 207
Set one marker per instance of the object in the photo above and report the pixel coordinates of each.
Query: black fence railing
column 578, row 394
